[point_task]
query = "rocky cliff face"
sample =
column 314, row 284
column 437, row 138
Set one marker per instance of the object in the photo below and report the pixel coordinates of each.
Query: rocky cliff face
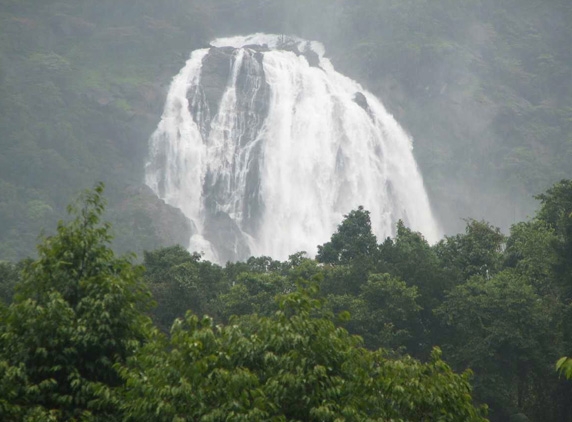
column 142, row 215
column 252, row 96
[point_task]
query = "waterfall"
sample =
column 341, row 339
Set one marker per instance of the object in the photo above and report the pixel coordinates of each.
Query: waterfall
column 265, row 147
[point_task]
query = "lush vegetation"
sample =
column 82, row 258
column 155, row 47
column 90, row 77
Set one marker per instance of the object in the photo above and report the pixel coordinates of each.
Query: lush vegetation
column 77, row 345
column 356, row 333
column 80, row 93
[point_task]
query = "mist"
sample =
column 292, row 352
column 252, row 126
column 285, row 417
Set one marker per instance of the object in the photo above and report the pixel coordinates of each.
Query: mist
column 482, row 88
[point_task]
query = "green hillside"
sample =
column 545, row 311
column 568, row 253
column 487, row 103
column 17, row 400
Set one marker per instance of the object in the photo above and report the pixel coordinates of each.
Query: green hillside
column 483, row 87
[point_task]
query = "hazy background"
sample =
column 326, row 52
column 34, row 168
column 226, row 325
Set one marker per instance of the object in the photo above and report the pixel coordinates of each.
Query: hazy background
column 484, row 88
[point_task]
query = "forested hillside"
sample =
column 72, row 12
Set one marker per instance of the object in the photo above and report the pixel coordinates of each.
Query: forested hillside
column 482, row 86
column 83, row 85
column 80, row 338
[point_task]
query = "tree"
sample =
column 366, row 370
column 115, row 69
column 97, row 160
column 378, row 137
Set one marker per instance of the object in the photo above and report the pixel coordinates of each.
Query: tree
column 159, row 262
column 530, row 250
column 477, row 252
column 556, row 206
column 556, row 212
column 78, row 311
column 180, row 281
column 354, row 239
column 252, row 293
column 353, row 246
column 505, row 331
column 385, row 314
column 410, row 258
column 289, row 366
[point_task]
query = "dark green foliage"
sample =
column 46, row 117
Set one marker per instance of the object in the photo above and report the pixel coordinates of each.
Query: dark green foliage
column 159, row 262
column 77, row 313
column 351, row 252
column 556, row 206
column 556, row 212
column 75, row 344
column 259, row 265
column 494, row 303
column 289, row 366
column 353, row 240
column 180, row 281
column 427, row 276
column 9, row 276
column 397, row 254
column 385, row 314
column 477, row 252
column 252, row 293
column 531, row 251
column 505, row 332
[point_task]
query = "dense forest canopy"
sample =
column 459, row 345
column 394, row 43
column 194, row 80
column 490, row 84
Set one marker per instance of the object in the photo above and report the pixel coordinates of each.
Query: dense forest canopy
column 77, row 345
column 482, row 86
column 352, row 334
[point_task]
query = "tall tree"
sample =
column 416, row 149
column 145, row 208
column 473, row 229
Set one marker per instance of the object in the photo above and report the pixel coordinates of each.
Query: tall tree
column 556, row 211
column 354, row 239
column 77, row 313
column 351, row 252
column 505, row 331
column 476, row 252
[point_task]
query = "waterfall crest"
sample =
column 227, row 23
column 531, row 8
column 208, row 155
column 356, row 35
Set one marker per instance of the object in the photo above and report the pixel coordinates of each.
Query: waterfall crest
column 265, row 147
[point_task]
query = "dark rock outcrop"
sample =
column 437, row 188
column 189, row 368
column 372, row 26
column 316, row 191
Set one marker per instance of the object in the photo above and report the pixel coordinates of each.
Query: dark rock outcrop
column 215, row 75
column 223, row 232
column 361, row 101
column 146, row 215
column 311, row 56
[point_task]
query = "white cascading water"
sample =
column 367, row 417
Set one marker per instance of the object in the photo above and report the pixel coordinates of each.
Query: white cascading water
column 269, row 162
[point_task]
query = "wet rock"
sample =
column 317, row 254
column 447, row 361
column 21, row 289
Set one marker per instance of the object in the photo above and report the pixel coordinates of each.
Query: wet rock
column 311, row 56
column 223, row 232
column 215, row 74
column 144, row 213
column 361, row 101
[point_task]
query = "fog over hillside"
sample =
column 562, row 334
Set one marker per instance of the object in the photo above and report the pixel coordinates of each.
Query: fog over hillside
column 482, row 87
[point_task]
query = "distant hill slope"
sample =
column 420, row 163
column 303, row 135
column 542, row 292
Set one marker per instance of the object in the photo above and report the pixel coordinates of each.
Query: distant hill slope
column 484, row 87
